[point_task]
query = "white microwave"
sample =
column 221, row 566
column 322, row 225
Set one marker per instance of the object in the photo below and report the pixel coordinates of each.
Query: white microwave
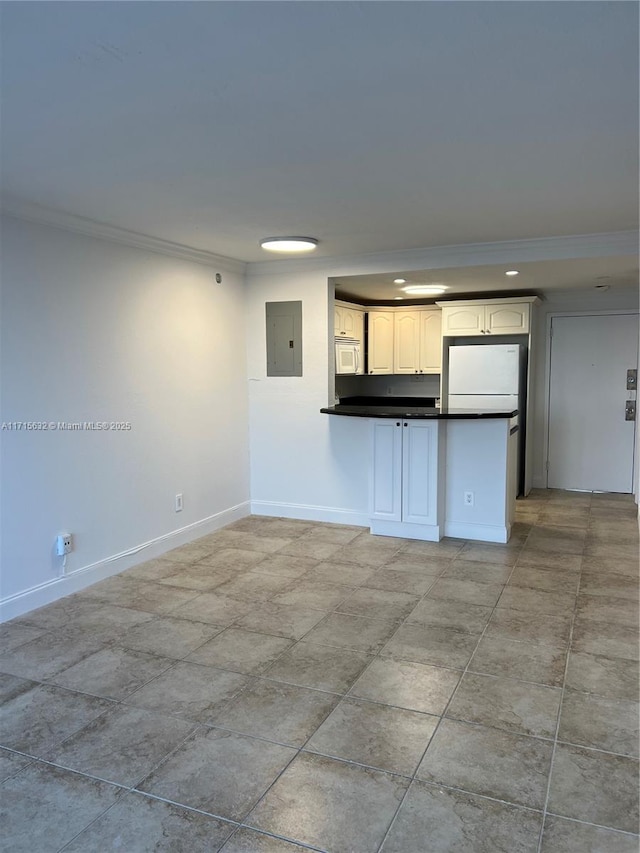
column 349, row 356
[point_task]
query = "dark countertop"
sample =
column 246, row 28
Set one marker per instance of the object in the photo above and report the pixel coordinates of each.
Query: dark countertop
column 407, row 407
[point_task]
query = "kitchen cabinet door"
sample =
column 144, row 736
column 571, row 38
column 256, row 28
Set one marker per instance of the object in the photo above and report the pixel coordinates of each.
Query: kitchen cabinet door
column 358, row 324
column 404, row 481
column 492, row 318
column 386, row 474
column 380, row 348
column 419, row 472
column 430, row 342
column 463, row 320
column 348, row 322
column 406, row 341
column 507, row 319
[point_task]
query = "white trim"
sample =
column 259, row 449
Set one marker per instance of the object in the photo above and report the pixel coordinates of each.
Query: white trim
column 461, row 255
column 406, row 530
column 594, row 312
column 82, row 225
column 477, row 532
column 307, row 512
column 38, row 596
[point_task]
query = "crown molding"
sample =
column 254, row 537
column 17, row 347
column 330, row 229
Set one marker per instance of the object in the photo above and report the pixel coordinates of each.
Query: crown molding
column 36, row 213
column 435, row 257
column 466, row 254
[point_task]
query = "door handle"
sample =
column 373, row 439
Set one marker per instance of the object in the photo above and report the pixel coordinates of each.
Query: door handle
column 630, row 410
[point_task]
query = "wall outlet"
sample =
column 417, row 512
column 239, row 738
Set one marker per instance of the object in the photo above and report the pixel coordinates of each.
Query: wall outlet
column 179, row 502
column 64, row 544
column 468, row 498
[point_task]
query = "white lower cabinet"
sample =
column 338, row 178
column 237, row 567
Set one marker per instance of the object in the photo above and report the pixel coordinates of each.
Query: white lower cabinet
column 404, row 494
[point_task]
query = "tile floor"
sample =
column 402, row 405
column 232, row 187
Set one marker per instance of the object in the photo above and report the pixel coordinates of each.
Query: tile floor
column 281, row 686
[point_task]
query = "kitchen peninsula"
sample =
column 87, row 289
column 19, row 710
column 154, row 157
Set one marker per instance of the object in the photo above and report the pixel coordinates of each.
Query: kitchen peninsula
column 437, row 472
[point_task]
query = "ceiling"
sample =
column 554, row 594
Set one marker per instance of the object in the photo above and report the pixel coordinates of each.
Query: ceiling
column 372, row 126
column 534, row 278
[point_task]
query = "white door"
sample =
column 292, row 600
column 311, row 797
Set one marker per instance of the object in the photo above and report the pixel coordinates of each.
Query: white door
column 590, row 442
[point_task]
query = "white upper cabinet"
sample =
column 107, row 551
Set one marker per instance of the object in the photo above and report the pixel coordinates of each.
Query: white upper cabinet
column 348, row 322
column 417, row 346
column 507, row 319
column 430, row 341
column 380, row 349
column 406, row 341
column 491, row 317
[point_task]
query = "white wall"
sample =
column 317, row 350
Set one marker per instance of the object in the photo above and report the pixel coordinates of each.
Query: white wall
column 303, row 463
column 98, row 331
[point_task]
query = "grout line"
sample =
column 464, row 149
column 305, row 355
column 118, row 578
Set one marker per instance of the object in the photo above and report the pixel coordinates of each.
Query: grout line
column 560, row 706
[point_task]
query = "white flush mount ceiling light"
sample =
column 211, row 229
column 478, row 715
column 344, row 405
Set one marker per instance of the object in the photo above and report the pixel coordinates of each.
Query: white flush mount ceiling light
column 512, row 272
column 425, row 289
column 289, row 244
column 399, row 281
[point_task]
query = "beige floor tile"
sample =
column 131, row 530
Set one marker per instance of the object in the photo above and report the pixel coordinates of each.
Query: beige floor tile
column 33, row 801
column 504, row 703
column 486, row 761
column 241, row 651
column 140, row 823
column 454, row 820
column 600, row 723
column 36, row 720
column 219, row 772
column 521, row 660
column 595, row 787
column 379, row 736
column 415, row 686
column 276, row 711
column 327, row 638
column 359, row 804
column 320, row 667
column 189, row 690
column 568, row 836
column 122, row 745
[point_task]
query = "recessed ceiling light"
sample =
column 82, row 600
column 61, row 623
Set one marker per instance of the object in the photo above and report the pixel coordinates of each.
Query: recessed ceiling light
column 289, row 244
column 425, row 289
column 399, row 281
column 398, row 297
column 512, row 272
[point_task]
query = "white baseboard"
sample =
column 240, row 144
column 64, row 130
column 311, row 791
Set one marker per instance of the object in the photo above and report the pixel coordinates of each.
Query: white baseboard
column 46, row 593
column 477, row 532
column 306, row 512
column 405, row 530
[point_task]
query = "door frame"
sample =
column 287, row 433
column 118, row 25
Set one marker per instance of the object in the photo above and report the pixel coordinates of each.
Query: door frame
column 547, row 396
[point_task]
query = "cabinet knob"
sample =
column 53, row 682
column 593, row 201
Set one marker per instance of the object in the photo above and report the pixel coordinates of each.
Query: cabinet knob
column 397, row 423
column 403, row 424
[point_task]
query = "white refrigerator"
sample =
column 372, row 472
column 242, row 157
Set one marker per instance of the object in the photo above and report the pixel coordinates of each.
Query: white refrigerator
column 490, row 377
